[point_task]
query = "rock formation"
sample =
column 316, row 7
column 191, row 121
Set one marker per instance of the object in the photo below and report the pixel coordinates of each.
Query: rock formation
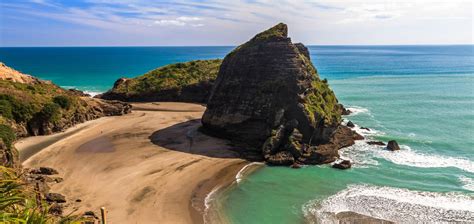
column 29, row 107
column 269, row 98
column 392, row 145
column 182, row 82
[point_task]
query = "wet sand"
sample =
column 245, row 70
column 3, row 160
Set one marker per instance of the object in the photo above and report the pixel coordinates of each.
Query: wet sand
column 150, row 166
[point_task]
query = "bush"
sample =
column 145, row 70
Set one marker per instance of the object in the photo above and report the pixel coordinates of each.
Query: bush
column 6, row 109
column 50, row 112
column 63, row 101
column 7, row 135
column 21, row 112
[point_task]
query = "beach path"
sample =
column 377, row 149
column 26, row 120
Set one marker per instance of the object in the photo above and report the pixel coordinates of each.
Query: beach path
column 150, row 166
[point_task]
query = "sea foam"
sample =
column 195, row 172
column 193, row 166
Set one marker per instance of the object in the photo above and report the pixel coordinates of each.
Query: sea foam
column 363, row 154
column 468, row 183
column 393, row 204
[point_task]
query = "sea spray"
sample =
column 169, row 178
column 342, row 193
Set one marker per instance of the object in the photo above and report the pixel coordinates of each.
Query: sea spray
column 393, row 204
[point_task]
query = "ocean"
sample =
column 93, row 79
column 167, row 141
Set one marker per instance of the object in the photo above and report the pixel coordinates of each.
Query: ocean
column 421, row 96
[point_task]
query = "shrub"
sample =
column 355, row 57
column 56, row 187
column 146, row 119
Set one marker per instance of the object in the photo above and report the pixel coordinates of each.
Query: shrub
column 6, row 109
column 50, row 112
column 7, row 135
column 21, row 111
column 63, row 101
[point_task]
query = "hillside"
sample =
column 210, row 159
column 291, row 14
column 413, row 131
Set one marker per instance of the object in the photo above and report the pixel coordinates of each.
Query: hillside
column 185, row 82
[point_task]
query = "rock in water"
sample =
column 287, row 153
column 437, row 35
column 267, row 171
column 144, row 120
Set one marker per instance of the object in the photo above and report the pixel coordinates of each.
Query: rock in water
column 344, row 164
column 266, row 90
column 392, row 145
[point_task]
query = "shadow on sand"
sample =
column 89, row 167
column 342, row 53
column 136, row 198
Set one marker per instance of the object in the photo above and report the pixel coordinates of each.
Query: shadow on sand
column 185, row 137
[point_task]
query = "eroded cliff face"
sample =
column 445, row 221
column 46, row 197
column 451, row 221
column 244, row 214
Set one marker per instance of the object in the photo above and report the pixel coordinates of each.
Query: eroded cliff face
column 30, row 107
column 269, row 97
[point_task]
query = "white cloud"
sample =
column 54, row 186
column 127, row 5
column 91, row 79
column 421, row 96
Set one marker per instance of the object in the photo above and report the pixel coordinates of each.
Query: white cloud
column 169, row 22
column 180, row 21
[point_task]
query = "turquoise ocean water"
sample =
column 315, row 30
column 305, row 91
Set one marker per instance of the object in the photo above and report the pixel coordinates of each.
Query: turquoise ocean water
column 422, row 96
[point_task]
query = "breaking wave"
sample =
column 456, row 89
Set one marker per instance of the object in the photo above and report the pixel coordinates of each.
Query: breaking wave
column 393, row 204
column 363, row 154
column 358, row 110
column 467, row 183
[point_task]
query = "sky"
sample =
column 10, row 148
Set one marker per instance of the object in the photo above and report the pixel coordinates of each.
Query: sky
column 231, row 22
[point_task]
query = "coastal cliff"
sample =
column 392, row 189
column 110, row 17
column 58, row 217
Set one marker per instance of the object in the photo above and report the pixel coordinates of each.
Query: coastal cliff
column 268, row 97
column 181, row 82
column 30, row 107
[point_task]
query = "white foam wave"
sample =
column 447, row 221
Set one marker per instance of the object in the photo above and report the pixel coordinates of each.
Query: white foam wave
column 92, row 93
column 393, row 204
column 468, row 183
column 363, row 154
column 358, row 110
column 242, row 172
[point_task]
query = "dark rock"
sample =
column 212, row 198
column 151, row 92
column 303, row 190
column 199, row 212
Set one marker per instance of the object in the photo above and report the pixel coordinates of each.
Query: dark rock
column 350, row 124
column 344, row 164
column 263, row 86
column 55, row 197
column 376, row 143
column 78, row 200
column 357, row 136
column 47, row 171
column 320, row 154
column 90, row 213
column 343, row 137
column 55, row 209
column 392, row 145
column 345, row 111
column 365, row 128
column 57, row 179
column 295, row 166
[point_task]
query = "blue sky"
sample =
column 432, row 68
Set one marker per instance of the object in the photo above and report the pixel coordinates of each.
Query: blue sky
column 230, row 22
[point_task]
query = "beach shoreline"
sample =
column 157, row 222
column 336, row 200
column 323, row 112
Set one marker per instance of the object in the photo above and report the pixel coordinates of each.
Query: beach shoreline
column 139, row 166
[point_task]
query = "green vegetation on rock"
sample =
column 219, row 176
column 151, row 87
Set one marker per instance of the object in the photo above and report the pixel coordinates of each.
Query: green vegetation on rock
column 7, row 135
column 321, row 103
column 173, row 76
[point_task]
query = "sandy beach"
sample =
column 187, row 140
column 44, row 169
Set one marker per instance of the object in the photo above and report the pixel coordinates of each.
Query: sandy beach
column 150, row 166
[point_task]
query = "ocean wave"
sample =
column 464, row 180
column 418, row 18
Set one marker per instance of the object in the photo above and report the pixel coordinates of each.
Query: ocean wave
column 468, row 183
column 92, row 93
column 243, row 172
column 393, row 204
column 358, row 110
column 362, row 153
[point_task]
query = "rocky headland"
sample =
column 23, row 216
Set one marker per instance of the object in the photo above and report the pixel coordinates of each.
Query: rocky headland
column 268, row 98
column 31, row 107
column 181, row 82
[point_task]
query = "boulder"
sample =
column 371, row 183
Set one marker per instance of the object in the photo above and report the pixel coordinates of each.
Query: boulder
column 44, row 171
column 350, row 124
column 345, row 111
column 55, row 209
column 365, row 128
column 376, row 143
column 344, row 164
column 392, row 145
column 295, row 166
column 55, row 197
column 263, row 85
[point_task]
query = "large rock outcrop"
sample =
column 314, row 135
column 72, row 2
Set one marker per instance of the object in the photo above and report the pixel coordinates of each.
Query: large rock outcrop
column 269, row 98
column 182, row 82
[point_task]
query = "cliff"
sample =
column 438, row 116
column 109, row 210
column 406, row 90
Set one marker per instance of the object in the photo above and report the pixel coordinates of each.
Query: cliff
column 185, row 82
column 269, row 98
column 30, row 107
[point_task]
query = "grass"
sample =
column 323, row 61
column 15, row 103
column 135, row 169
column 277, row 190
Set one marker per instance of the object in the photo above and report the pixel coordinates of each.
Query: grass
column 19, row 202
column 173, row 76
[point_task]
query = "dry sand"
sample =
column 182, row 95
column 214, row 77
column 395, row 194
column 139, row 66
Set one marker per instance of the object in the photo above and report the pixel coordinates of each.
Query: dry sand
column 151, row 166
